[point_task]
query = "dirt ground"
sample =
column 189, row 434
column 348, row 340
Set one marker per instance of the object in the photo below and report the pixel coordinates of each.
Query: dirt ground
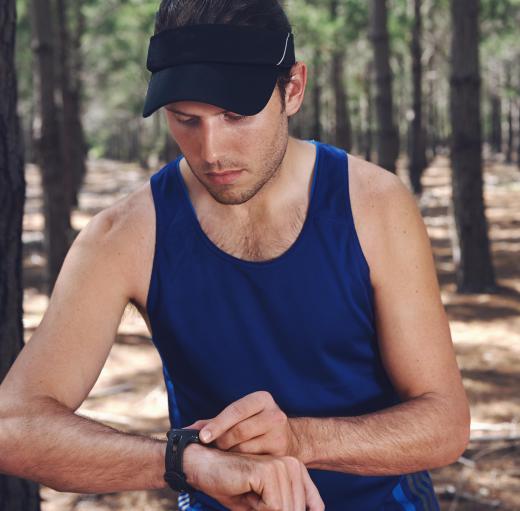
column 130, row 394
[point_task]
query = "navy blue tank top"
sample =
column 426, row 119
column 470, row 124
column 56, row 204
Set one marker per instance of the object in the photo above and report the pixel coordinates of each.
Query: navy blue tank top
column 300, row 326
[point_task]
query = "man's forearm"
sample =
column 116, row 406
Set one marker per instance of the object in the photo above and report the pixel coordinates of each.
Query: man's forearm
column 419, row 434
column 50, row 444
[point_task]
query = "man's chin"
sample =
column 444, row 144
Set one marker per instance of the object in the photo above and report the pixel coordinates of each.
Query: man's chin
column 231, row 198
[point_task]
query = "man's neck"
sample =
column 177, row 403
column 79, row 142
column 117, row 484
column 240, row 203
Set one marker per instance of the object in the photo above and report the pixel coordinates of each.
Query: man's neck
column 289, row 185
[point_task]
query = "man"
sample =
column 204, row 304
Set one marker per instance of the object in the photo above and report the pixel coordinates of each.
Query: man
column 290, row 290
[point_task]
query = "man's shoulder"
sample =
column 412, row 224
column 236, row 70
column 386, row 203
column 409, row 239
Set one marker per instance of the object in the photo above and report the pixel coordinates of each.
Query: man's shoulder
column 375, row 191
column 126, row 231
column 383, row 209
column 372, row 181
column 128, row 217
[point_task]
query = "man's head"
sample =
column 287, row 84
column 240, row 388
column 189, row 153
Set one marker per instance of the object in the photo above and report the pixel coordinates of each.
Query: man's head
column 209, row 133
column 267, row 14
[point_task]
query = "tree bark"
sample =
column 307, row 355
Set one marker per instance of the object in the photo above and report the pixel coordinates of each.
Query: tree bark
column 80, row 170
column 518, row 118
column 417, row 148
column 63, row 106
column 15, row 494
column 387, row 134
column 432, row 135
column 343, row 130
column 496, row 123
column 72, row 134
column 518, row 136
column 368, row 113
column 55, row 197
column 510, row 133
column 316, row 96
column 510, row 127
column 342, row 125
column 472, row 256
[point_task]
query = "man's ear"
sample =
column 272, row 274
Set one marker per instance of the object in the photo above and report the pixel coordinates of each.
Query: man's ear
column 295, row 90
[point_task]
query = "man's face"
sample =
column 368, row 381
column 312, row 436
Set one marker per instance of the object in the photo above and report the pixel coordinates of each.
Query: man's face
column 213, row 140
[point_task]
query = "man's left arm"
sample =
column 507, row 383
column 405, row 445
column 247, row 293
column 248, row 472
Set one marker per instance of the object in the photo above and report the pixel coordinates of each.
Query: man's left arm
column 430, row 428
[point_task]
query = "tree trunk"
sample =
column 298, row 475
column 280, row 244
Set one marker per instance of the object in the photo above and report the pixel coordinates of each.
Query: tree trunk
column 518, row 137
column 72, row 135
column 496, row 123
column 342, row 125
column 55, row 197
column 471, row 252
column 356, row 124
column 387, row 134
column 417, row 148
column 369, row 112
column 510, row 131
column 510, row 128
column 343, row 131
column 61, row 63
column 15, row 494
column 316, row 96
column 432, row 135
column 80, row 169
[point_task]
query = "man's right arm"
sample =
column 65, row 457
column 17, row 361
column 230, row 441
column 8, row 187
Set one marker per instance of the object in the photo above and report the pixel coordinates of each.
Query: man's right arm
column 43, row 439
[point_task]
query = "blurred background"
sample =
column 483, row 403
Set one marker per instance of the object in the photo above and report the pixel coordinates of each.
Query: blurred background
column 429, row 89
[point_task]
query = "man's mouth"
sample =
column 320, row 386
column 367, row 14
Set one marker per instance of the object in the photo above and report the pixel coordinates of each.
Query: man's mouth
column 224, row 177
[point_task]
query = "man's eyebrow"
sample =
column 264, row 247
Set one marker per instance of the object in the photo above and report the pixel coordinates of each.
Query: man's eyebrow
column 175, row 111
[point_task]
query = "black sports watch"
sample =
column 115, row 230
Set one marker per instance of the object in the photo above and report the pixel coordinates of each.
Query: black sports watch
column 178, row 439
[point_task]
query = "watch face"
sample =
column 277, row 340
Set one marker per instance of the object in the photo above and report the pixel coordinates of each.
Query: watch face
column 189, row 435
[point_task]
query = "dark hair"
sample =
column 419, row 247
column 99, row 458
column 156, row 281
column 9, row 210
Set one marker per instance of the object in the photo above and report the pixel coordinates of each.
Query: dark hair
column 268, row 14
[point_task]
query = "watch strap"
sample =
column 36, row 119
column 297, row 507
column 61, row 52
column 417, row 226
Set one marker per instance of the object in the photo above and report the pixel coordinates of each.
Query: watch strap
column 178, row 439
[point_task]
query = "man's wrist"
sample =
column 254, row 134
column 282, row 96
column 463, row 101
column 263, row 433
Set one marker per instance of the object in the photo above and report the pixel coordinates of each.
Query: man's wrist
column 302, row 445
column 195, row 457
column 158, row 481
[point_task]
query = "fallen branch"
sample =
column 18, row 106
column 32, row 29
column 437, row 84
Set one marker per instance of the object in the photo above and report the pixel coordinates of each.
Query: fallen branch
column 496, row 438
column 110, row 391
column 501, row 426
column 451, row 491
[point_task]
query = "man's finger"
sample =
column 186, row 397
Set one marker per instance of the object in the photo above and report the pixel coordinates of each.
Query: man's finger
column 284, row 481
column 312, row 495
column 236, row 412
column 243, row 432
column 297, row 485
column 254, row 446
column 197, row 425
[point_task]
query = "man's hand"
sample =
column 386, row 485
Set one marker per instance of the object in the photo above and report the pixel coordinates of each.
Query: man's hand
column 243, row 482
column 254, row 425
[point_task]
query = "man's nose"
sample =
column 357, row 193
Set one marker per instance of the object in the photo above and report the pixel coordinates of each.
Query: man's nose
column 210, row 145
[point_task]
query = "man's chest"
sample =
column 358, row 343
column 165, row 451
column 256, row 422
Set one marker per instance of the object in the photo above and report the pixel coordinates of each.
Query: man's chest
column 255, row 241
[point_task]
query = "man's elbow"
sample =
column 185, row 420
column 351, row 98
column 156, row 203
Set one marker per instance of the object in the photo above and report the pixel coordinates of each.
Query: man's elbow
column 461, row 438
column 8, row 441
column 456, row 436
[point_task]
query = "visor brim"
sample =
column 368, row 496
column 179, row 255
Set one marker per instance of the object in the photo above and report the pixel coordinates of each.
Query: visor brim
column 241, row 89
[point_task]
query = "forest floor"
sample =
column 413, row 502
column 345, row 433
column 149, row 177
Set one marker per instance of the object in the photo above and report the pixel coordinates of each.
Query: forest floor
column 130, row 395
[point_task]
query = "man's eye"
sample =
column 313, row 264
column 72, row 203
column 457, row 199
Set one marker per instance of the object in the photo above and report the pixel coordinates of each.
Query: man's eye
column 235, row 117
column 186, row 121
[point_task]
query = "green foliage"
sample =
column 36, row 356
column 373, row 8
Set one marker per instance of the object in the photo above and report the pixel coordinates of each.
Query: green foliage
column 24, row 62
column 116, row 39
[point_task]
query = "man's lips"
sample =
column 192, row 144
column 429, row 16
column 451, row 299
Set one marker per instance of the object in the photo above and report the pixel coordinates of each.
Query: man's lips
column 224, row 177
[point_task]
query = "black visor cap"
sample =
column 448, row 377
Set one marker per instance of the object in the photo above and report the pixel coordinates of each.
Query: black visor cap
column 235, row 68
column 238, row 89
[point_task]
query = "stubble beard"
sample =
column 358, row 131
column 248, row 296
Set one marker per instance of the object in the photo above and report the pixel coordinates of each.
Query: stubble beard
column 271, row 159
